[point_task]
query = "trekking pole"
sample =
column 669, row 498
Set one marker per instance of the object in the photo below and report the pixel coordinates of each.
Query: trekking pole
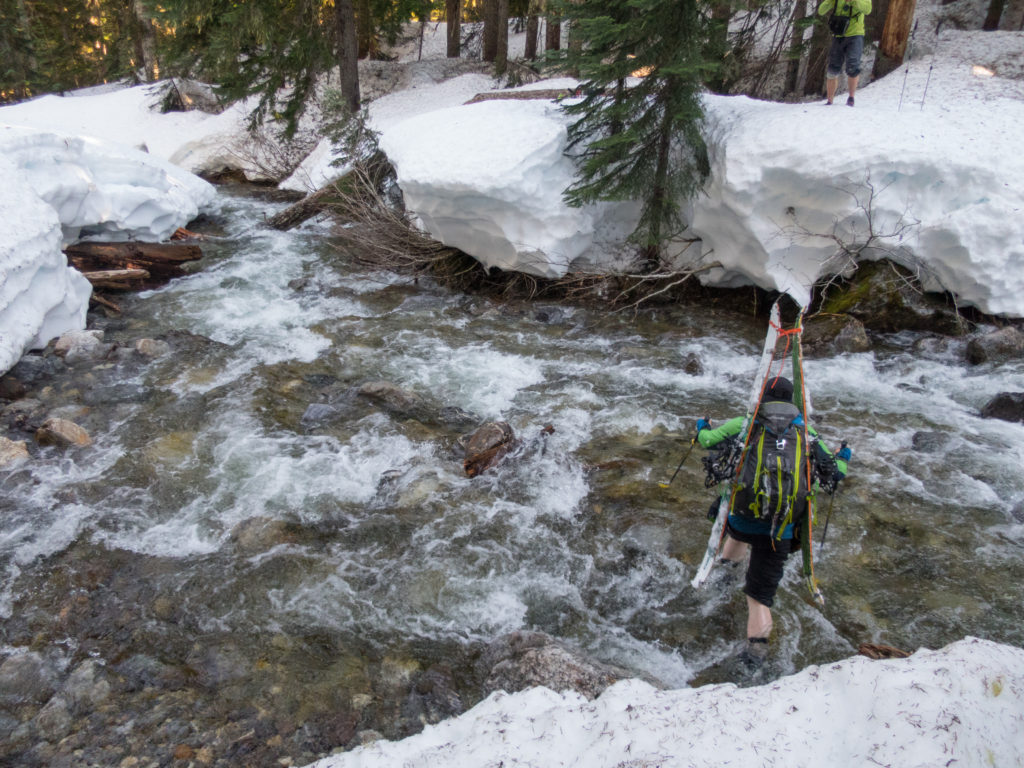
column 828, row 515
column 693, row 442
column 925, row 94
column 910, row 48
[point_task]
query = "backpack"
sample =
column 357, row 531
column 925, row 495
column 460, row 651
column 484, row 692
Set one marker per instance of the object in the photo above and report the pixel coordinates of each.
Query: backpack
column 773, row 477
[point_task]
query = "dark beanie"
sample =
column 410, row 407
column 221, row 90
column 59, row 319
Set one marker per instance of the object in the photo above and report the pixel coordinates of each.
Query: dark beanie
column 779, row 388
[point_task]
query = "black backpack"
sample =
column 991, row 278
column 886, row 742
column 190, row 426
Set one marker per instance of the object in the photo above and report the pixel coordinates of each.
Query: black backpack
column 773, row 479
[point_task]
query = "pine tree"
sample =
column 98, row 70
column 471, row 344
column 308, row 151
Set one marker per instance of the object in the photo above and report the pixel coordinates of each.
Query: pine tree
column 637, row 134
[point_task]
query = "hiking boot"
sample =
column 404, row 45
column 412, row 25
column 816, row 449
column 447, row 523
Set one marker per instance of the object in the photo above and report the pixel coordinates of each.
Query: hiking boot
column 754, row 652
column 849, row 102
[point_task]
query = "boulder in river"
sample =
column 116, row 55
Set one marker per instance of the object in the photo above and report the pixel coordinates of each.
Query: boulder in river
column 1008, row 406
column 829, row 335
column 62, row 433
column 887, row 298
column 997, row 346
column 487, row 446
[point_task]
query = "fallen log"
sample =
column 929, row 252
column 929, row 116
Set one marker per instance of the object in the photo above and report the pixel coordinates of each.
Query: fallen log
column 545, row 94
column 306, row 208
column 103, row 301
column 116, row 279
column 162, row 261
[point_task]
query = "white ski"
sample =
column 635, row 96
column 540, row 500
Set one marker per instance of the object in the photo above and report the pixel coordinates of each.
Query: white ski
column 767, row 355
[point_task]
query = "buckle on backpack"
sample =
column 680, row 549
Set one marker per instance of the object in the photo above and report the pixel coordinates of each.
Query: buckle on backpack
column 780, row 444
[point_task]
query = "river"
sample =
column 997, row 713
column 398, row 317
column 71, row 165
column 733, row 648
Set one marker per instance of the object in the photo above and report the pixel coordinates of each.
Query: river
column 254, row 563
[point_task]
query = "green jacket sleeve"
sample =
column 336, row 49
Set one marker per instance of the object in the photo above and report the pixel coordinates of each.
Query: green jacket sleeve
column 841, row 464
column 826, row 7
column 709, row 438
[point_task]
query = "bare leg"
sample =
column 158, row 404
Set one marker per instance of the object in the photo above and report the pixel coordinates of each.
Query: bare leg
column 734, row 550
column 851, row 84
column 830, row 87
column 759, row 619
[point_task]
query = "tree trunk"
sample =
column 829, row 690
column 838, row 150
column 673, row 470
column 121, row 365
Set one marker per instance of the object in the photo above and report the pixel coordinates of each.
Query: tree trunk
column 899, row 21
column 490, row 35
column 796, row 44
column 532, row 28
column 145, row 42
column 366, row 47
column 501, row 49
column 1013, row 16
column 348, row 52
column 552, row 34
column 817, row 59
column 995, row 12
column 453, row 17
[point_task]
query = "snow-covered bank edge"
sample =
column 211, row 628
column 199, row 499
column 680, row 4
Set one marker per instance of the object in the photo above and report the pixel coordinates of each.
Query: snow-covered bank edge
column 61, row 188
column 961, row 705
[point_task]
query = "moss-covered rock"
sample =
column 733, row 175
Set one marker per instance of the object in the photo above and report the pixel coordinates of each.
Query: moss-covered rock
column 888, row 298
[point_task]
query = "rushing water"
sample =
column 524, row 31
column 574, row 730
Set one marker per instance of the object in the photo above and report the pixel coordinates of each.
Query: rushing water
column 262, row 579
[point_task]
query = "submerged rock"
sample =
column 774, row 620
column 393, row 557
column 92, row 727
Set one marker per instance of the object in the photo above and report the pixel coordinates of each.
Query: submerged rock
column 62, row 433
column 12, row 451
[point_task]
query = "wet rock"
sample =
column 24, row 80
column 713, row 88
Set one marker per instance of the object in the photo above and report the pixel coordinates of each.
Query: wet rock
column 22, row 413
column 12, row 451
column 692, row 365
column 454, row 417
column 1017, row 513
column 317, row 414
column 887, row 298
column 1008, row 406
column 87, row 687
column 11, row 388
column 260, row 534
column 62, row 433
column 81, row 347
column 26, row 678
column 54, row 720
column 392, row 397
column 69, row 412
column 32, row 368
column 929, row 442
column 550, row 315
column 487, row 446
column 830, row 335
column 433, row 698
column 521, row 660
column 152, row 347
column 997, row 346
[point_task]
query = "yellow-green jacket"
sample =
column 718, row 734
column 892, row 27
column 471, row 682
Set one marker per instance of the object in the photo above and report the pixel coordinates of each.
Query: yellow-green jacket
column 856, row 9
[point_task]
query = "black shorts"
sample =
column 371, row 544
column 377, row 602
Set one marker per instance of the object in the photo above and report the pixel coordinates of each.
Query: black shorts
column 767, row 560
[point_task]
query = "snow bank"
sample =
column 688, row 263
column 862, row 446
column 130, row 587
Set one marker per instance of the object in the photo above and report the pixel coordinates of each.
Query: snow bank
column 931, row 152
column 60, row 188
column 40, row 296
column 101, row 190
column 487, row 178
column 962, row 705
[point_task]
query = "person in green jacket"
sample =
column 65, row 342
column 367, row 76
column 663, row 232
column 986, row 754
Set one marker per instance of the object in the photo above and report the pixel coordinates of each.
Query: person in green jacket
column 768, row 548
column 847, row 47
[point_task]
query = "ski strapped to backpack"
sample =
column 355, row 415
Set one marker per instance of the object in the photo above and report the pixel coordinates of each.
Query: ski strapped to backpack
column 760, row 381
column 787, row 463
